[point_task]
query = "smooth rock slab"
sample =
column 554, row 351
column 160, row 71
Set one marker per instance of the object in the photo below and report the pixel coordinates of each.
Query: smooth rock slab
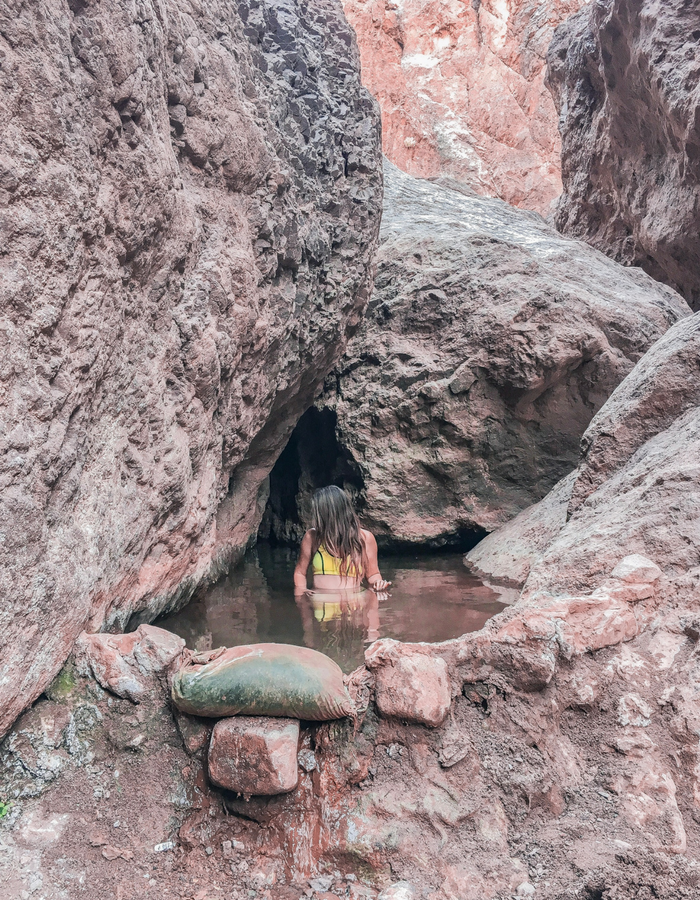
column 254, row 755
column 410, row 685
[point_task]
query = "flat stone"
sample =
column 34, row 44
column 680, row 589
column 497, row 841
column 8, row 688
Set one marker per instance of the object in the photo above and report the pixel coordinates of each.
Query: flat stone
column 410, row 684
column 254, row 755
column 637, row 569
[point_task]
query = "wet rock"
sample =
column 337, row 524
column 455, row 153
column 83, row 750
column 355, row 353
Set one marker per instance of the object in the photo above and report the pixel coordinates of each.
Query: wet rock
column 128, row 664
column 253, row 755
column 161, row 343
column 420, row 60
column 635, row 489
column 411, row 685
column 506, row 555
column 546, row 326
column 627, row 90
column 626, row 513
column 660, row 388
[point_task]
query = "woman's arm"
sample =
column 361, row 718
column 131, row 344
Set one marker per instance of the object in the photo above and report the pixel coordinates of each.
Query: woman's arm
column 372, row 573
column 302, row 565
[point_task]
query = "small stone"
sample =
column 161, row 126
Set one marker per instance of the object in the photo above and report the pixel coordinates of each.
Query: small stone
column 209, row 850
column 410, row 685
column 633, row 710
column 238, row 845
column 401, row 890
column 637, row 569
column 525, row 890
column 255, row 755
column 320, row 883
column 307, row 760
column 226, row 846
column 462, row 380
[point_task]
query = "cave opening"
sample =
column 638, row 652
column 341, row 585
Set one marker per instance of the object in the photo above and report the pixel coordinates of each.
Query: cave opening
column 312, row 459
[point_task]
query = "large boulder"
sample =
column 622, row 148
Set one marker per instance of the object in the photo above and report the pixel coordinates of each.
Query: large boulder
column 489, row 343
column 625, row 76
column 635, row 491
column 193, row 197
column 461, row 87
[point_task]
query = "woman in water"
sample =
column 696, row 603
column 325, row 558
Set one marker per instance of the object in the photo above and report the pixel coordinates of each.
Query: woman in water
column 341, row 553
column 338, row 615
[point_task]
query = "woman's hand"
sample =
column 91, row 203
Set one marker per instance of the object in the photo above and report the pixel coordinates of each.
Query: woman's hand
column 379, row 585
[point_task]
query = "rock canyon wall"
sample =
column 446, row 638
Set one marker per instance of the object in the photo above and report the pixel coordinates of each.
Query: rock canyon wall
column 191, row 197
column 489, row 343
column 461, row 87
column 625, row 75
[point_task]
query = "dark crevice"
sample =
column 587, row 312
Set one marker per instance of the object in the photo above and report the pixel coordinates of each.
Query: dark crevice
column 312, row 459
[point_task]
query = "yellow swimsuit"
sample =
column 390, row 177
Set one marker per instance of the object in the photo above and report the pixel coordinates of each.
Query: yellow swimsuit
column 324, row 563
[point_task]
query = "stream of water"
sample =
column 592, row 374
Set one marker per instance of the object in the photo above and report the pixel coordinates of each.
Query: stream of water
column 432, row 598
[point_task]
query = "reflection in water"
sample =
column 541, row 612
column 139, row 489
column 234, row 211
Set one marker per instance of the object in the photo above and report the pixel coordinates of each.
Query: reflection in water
column 432, row 598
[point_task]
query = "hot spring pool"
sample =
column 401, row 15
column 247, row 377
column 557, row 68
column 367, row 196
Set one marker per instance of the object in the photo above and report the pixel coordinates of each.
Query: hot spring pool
column 432, row 598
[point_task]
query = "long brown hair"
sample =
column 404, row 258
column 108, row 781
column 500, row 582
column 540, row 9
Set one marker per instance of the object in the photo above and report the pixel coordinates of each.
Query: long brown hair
column 337, row 528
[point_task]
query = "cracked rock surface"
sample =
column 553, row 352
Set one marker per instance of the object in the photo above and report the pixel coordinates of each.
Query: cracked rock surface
column 189, row 206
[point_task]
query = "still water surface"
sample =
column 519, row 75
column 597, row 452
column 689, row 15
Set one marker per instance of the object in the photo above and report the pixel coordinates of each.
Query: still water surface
column 432, row 598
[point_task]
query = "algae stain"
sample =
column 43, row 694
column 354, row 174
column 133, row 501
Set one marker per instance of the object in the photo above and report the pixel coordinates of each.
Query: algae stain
column 63, row 684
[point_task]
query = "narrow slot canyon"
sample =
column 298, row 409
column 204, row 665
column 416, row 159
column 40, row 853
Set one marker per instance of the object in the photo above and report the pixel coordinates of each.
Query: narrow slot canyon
column 463, row 240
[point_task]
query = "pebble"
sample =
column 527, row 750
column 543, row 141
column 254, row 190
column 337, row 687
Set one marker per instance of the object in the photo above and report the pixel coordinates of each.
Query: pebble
column 166, row 845
column 401, row 890
column 525, row 890
column 321, row 883
column 307, row 760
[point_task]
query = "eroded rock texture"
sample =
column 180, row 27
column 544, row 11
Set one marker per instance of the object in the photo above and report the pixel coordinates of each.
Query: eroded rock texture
column 625, row 75
column 191, row 195
column 461, row 87
column 635, row 489
column 489, row 344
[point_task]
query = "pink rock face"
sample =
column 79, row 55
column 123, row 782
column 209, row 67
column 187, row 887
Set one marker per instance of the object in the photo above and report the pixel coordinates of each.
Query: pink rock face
column 253, row 755
column 625, row 76
column 410, row 685
column 461, row 87
column 172, row 223
column 127, row 663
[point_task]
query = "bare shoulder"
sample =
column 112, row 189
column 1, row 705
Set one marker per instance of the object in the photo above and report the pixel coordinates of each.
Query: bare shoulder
column 307, row 540
column 368, row 539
